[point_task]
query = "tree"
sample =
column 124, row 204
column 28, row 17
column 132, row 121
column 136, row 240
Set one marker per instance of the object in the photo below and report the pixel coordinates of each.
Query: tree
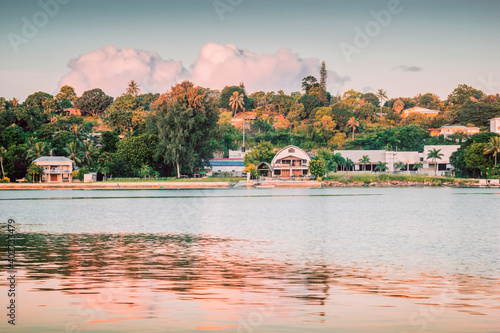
column 136, row 151
column 125, row 114
column 262, row 152
column 3, row 153
column 35, row 170
column 400, row 165
column 353, row 123
column 66, row 93
column 226, row 94
column 330, row 162
column 89, row 152
column 398, row 106
column 72, row 152
column 382, row 95
column 492, row 148
column 317, row 167
column 94, row 102
column 309, row 82
column 187, row 123
column 464, row 93
column 236, row 102
column 310, row 102
column 133, row 88
column 371, row 98
column 322, row 83
column 435, row 154
column 364, row 160
column 476, row 159
column 146, row 171
column 381, row 166
column 36, row 100
column 35, row 150
column 418, row 166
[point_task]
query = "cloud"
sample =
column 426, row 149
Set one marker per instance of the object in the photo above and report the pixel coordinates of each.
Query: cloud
column 217, row 65
column 408, row 68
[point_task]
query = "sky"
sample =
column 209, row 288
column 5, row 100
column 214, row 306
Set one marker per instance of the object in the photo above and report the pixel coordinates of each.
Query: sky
column 405, row 47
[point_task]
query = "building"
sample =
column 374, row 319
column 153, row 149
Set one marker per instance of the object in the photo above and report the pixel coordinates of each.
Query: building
column 230, row 166
column 452, row 129
column 55, row 168
column 72, row 112
column 495, row 125
column 420, row 110
column 409, row 158
column 290, row 161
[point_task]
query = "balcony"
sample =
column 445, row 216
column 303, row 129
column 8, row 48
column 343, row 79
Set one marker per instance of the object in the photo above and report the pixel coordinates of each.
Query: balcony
column 55, row 171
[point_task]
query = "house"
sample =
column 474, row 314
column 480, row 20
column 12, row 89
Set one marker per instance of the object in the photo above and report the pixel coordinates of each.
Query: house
column 420, row 110
column 449, row 130
column 55, row 168
column 232, row 166
column 72, row 112
column 495, row 125
column 290, row 161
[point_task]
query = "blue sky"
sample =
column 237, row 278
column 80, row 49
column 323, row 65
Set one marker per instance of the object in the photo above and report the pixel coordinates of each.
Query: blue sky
column 422, row 46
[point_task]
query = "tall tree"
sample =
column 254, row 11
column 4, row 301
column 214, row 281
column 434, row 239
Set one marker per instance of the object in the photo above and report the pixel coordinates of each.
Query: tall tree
column 492, row 148
column 381, row 166
column 236, row 102
column 382, row 95
column 66, row 93
column 186, row 120
column 309, row 82
column 89, row 152
column 364, row 160
column 94, row 102
column 3, row 153
column 435, row 154
column 322, row 83
column 353, row 124
column 133, row 88
column 73, row 152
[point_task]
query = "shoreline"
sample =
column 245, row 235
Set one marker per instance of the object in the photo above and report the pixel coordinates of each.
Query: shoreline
column 221, row 185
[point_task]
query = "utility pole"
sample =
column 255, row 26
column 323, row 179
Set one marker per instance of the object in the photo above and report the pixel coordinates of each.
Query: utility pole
column 243, row 148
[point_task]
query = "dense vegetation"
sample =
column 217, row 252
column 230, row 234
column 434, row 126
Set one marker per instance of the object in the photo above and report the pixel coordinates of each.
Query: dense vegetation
column 148, row 135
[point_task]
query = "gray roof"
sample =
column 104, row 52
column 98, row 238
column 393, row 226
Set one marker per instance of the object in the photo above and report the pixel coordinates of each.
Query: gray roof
column 53, row 159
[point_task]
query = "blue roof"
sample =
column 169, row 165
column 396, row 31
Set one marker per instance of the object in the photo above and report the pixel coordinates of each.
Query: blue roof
column 227, row 162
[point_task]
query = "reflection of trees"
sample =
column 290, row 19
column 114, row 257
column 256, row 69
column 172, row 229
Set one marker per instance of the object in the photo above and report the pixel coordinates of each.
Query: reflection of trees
column 193, row 265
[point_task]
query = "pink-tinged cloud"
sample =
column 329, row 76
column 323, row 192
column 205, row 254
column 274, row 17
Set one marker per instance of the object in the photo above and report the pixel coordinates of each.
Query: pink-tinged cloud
column 217, row 66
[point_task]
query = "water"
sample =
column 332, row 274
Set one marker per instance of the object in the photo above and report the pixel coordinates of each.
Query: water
column 255, row 260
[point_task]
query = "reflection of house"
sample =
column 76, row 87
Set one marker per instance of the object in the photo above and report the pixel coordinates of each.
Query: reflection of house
column 55, row 168
column 290, row 161
column 449, row 130
column 495, row 125
column 423, row 111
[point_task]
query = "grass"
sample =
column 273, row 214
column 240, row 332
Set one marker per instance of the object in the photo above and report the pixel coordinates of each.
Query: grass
column 174, row 180
column 367, row 178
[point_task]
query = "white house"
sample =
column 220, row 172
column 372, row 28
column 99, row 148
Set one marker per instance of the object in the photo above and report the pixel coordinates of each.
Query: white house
column 290, row 161
column 420, row 110
column 55, row 168
column 495, row 125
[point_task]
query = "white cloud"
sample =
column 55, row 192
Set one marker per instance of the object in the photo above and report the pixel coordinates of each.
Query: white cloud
column 217, row 65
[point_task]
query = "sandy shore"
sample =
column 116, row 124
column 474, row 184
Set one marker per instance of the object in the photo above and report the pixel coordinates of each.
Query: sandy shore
column 113, row 186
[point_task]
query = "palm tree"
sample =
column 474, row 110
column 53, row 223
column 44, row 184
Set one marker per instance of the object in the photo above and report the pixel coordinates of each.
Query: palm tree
column 236, row 102
column 382, row 95
column 435, row 154
column 89, row 151
column 353, row 123
column 133, row 88
column 3, row 153
column 35, row 170
column 400, row 165
column 73, row 153
column 36, row 150
column 493, row 148
column 418, row 166
column 15, row 101
column 364, row 161
column 381, row 166
column 348, row 163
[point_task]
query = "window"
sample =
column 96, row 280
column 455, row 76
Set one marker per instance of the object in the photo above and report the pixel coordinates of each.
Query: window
column 277, row 172
column 291, row 150
column 421, row 159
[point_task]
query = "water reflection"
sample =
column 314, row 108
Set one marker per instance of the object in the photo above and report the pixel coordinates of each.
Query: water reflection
column 192, row 282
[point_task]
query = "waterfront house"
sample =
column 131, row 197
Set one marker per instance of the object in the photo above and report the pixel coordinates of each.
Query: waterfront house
column 230, row 166
column 55, row 168
column 420, row 110
column 452, row 129
column 290, row 161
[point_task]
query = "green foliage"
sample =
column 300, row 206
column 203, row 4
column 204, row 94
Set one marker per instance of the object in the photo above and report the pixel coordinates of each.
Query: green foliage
column 228, row 91
column 463, row 94
column 371, row 98
column 36, row 100
column 310, row 102
column 263, row 152
column 404, row 138
column 459, row 157
column 317, row 167
column 135, row 152
column 381, row 166
column 125, row 114
column 477, row 113
column 109, row 140
column 187, row 122
column 308, row 83
column 94, row 102
column 327, row 156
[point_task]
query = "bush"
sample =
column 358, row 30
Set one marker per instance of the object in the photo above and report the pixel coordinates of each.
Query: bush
column 5, row 180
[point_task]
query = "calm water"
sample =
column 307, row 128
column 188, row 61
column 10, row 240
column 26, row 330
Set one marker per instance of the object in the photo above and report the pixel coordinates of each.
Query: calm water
column 255, row 260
